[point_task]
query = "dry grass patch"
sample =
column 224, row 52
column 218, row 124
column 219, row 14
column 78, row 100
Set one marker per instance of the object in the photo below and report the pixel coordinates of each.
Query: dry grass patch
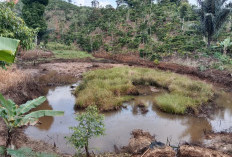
column 11, row 78
column 35, row 54
column 108, row 88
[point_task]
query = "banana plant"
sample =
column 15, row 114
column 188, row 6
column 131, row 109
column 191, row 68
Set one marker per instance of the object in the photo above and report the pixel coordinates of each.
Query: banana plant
column 16, row 116
column 8, row 48
column 225, row 44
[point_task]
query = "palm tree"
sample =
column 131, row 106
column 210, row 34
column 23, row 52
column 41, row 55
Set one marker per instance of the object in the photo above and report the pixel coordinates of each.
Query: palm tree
column 213, row 14
column 95, row 4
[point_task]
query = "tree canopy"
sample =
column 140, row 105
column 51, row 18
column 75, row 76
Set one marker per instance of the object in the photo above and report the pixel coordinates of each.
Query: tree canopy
column 13, row 26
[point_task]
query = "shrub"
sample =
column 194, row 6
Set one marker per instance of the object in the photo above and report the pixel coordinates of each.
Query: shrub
column 90, row 125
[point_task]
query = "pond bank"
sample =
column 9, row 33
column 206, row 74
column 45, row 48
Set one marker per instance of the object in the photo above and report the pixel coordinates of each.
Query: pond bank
column 65, row 69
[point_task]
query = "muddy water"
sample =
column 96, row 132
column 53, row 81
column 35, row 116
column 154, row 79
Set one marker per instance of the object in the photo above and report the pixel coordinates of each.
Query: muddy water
column 119, row 124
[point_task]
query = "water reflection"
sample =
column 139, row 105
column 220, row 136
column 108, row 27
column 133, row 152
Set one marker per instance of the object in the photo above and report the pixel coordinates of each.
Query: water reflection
column 45, row 121
column 120, row 123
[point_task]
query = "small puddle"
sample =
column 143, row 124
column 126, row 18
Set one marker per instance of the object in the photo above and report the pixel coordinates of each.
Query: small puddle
column 119, row 124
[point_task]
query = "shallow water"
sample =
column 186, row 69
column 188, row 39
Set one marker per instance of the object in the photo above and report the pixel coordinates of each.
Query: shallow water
column 119, row 124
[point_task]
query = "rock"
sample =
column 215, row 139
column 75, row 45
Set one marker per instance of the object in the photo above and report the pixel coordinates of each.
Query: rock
column 72, row 86
column 195, row 151
column 161, row 152
column 154, row 90
column 139, row 142
column 144, row 110
column 142, row 105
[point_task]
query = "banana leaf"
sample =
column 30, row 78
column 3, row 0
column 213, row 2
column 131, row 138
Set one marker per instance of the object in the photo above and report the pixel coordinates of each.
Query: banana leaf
column 8, row 48
column 30, row 105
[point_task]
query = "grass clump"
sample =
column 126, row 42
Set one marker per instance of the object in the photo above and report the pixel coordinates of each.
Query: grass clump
column 174, row 103
column 71, row 54
column 108, row 88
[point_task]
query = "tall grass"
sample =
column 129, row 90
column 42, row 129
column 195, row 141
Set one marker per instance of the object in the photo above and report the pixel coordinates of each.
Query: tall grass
column 11, row 78
column 108, row 88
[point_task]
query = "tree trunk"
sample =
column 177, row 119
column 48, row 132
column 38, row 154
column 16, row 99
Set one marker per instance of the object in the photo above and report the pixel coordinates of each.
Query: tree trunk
column 8, row 142
column 224, row 51
column 209, row 41
column 87, row 150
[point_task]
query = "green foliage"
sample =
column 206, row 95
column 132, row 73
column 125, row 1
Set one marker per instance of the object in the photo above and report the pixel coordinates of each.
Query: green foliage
column 213, row 14
column 8, row 48
column 32, row 13
column 16, row 116
column 91, row 124
column 174, row 103
column 225, row 44
column 27, row 152
column 14, row 27
column 71, row 54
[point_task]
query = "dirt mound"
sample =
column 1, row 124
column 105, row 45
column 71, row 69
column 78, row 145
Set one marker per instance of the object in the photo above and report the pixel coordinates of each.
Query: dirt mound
column 139, row 142
column 160, row 152
column 219, row 141
column 195, row 151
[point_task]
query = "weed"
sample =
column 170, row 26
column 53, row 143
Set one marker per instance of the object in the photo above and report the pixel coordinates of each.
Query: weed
column 71, row 54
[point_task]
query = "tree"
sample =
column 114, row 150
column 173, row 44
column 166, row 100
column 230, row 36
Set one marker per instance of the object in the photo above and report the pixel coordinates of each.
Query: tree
column 90, row 125
column 16, row 116
column 183, row 12
column 95, row 4
column 12, row 26
column 32, row 13
column 225, row 44
column 213, row 14
column 119, row 2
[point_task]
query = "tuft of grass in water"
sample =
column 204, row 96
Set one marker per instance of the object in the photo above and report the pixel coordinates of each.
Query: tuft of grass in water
column 109, row 88
column 71, row 54
column 174, row 103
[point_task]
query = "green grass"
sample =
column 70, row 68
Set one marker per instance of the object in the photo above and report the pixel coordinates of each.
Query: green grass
column 108, row 88
column 71, row 54
column 58, row 46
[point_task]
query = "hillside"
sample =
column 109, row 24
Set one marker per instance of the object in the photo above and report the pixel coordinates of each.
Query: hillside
column 161, row 28
column 153, row 31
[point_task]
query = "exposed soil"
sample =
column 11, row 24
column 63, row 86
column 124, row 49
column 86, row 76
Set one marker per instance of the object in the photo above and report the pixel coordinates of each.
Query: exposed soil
column 219, row 141
column 141, row 142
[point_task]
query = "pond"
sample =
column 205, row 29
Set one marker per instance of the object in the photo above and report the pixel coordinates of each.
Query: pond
column 119, row 124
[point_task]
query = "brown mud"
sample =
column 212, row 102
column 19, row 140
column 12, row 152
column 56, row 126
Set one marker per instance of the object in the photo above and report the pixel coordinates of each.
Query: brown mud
column 140, row 146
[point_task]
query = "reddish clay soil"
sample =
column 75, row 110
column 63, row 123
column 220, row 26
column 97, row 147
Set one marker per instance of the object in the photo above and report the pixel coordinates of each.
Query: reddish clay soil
column 222, row 78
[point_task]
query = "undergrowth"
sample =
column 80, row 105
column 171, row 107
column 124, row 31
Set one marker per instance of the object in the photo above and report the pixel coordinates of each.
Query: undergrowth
column 109, row 88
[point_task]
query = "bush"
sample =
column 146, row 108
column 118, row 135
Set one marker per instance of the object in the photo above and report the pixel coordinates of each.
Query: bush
column 91, row 124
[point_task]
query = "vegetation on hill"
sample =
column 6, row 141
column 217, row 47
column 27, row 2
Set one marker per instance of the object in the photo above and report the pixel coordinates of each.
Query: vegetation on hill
column 154, row 30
